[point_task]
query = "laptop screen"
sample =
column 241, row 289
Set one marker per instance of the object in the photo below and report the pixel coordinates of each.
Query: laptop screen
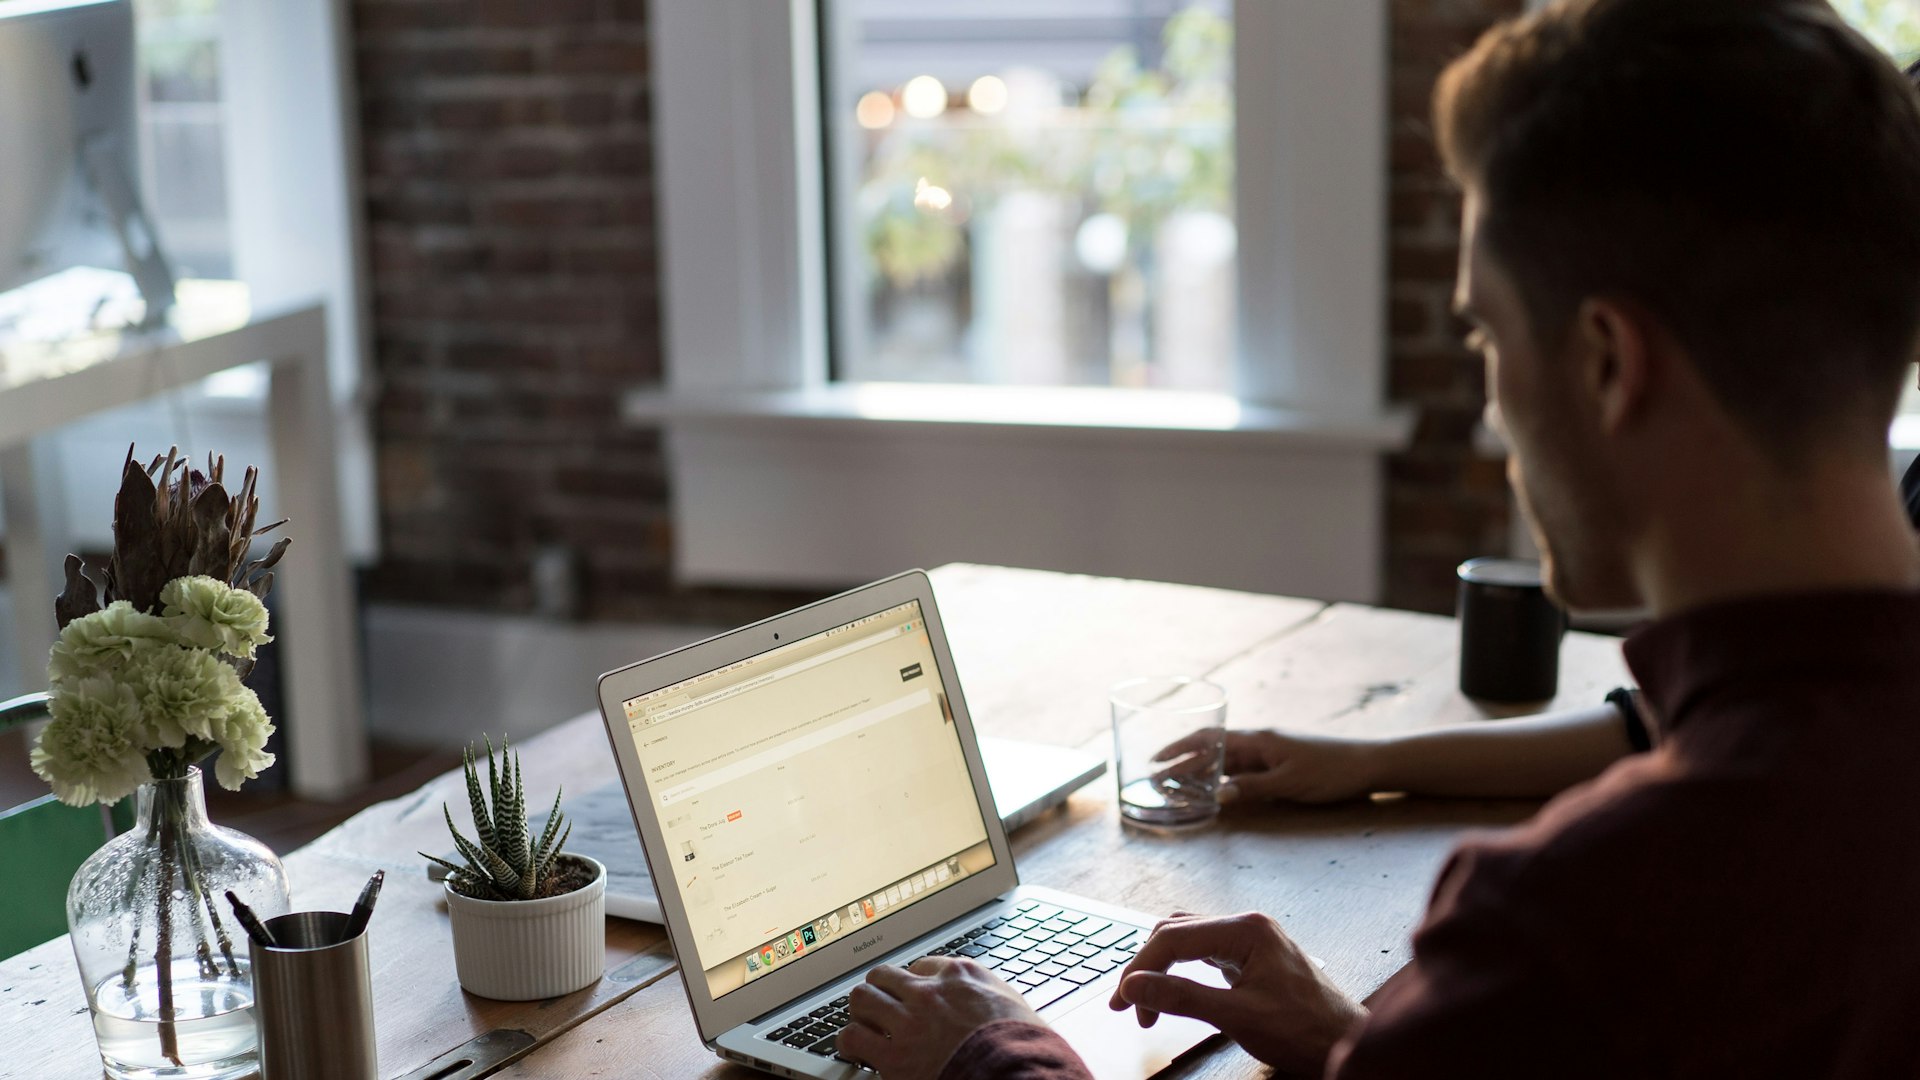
column 807, row 791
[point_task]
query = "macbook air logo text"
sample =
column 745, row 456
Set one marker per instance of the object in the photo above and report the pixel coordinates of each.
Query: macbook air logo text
column 869, row 943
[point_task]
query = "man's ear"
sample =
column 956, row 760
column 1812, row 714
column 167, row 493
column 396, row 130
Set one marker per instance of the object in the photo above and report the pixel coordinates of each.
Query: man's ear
column 1612, row 351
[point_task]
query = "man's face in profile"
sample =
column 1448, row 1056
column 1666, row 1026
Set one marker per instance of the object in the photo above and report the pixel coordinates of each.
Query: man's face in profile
column 1557, row 461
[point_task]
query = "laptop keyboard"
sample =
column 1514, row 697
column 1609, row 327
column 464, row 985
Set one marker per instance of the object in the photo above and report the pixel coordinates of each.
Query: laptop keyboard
column 1045, row 952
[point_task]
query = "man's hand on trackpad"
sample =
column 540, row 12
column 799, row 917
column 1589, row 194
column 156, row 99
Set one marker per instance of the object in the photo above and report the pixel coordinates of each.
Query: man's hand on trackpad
column 1277, row 1005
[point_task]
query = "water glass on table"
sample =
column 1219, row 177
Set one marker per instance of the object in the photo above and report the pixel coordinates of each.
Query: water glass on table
column 1169, row 747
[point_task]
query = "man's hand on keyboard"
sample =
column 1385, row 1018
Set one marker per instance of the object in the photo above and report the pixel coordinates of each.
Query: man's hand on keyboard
column 908, row 1021
column 1278, row 1006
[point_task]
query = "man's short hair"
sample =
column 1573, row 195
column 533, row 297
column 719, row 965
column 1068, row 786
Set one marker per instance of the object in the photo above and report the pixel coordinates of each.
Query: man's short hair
column 1746, row 170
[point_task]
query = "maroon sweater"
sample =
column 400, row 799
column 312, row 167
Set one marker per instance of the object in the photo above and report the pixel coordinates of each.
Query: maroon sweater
column 1744, row 900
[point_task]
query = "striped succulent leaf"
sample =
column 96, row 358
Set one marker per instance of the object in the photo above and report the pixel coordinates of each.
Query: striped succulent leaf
column 506, row 863
column 482, row 820
column 547, row 860
column 511, row 820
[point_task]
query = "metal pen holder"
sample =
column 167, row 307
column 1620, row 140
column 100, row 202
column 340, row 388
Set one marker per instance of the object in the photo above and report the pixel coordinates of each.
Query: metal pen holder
column 313, row 997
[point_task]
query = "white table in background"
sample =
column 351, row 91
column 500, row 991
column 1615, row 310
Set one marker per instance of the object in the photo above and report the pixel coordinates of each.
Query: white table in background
column 44, row 386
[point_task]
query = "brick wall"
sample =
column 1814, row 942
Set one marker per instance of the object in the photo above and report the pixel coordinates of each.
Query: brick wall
column 1445, row 503
column 510, row 208
column 510, row 212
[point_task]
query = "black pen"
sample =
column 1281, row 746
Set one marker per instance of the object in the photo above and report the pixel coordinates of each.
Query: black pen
column 363, row 907
column 251, row 923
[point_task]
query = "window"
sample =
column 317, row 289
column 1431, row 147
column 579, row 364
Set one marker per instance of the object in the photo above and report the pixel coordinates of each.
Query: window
column 787, row 468
column 1032, row 193
column 183, row 175
column 1894, row 25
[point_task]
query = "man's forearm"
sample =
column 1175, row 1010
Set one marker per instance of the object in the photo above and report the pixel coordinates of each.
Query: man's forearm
column 1531, row 757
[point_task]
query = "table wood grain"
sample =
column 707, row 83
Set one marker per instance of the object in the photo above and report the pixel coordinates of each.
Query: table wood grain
column 1035, row 652
column 420, row 1010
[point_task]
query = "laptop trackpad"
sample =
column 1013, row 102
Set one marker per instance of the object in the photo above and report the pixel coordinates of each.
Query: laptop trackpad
column 1116, row 1047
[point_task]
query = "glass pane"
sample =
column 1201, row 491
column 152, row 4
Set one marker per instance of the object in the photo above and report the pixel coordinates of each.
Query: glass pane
column 1894, row 25
column 1033, row 192
column 183, row 142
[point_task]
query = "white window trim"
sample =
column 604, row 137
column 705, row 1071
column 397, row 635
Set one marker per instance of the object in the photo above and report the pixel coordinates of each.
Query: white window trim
column 739, row 181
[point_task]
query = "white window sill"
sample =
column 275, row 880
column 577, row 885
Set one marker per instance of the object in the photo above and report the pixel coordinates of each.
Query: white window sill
column 1067, row 413
column 782, row 487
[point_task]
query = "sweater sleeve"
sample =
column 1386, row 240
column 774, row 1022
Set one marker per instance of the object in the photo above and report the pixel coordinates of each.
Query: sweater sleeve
column 1015, row 1050
column 1480, row 998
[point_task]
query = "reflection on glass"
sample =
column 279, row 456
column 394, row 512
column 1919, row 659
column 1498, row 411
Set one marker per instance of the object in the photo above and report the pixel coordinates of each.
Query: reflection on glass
column 183, row 152
column 1035, row 193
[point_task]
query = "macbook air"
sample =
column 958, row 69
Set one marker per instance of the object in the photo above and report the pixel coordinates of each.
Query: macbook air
column 812, row 802
column 1028, row 780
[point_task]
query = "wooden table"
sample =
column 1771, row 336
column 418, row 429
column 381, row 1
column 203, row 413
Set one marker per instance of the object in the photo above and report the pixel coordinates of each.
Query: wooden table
column 1036, row 651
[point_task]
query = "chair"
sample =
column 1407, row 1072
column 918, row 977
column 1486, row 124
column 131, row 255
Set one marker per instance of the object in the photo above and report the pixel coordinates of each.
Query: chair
column 42, row 843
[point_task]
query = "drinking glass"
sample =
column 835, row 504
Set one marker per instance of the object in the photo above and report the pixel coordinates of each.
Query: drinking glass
column 1169, row 746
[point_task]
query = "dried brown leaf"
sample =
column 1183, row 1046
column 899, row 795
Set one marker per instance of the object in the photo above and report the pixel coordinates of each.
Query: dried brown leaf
column 212, row 551
column 266, row 562
column 81, row 596
column 137, row 571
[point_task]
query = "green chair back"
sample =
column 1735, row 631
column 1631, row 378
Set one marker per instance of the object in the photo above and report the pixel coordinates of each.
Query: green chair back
column 42, row 843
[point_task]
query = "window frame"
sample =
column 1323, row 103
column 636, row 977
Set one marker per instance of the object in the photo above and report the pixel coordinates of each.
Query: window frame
column 740, row 185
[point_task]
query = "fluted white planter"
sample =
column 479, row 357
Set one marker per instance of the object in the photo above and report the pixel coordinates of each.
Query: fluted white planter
column 524, row 950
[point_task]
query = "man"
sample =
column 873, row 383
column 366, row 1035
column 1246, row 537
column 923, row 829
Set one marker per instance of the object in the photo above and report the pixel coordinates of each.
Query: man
column 1692, row 261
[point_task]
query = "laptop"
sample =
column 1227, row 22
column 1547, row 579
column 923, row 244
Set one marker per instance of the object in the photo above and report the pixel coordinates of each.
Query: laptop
column 812, row 803
column 1028, row 780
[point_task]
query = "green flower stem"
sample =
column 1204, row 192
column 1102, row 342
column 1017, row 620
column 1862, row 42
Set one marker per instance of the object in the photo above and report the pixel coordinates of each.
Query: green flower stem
column 169, row 813
column 164, row 818
column 129, row 974
column 208, row 902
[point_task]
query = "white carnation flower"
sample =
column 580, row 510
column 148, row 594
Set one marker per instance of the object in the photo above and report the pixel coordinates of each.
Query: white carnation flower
column 184, row 692
column 241, row 732
column 95, row 748
column 104, row 642
column 207, row 613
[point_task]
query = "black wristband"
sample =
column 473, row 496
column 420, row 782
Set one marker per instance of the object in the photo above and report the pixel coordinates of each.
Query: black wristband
column 1621, row 698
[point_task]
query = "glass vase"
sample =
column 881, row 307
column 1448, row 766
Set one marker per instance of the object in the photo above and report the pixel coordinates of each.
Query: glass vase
column 163, row 960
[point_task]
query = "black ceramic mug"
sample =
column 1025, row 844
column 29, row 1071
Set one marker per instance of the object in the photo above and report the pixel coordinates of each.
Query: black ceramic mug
column 1509, row 632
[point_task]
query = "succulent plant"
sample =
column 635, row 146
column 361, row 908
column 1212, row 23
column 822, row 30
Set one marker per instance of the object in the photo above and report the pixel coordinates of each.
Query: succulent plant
column 505, row 862
column 172, row 521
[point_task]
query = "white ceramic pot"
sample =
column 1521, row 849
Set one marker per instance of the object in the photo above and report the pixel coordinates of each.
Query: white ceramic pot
column 525, row 950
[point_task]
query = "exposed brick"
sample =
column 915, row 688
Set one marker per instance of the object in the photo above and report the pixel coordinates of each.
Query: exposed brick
column 598, row 56
column 613, row 482
column 593, row 108
column 1407, row 317
column 510, row 206
column 394, row 63
column 536, row 14
column 376, row 19
column 1425, row 261
column 522, row 161
column 1445, row 503
column 1413, row 152
column 1436, row 377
